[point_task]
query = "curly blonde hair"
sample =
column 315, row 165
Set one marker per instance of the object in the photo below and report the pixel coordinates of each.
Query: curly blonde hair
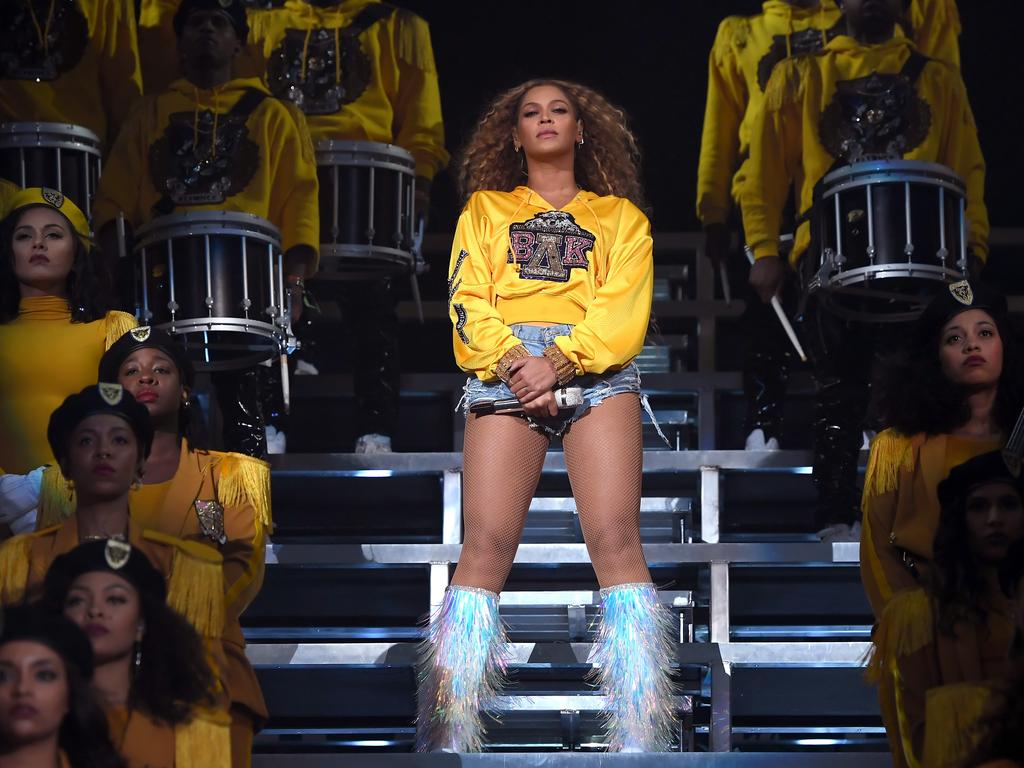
column 608, row 163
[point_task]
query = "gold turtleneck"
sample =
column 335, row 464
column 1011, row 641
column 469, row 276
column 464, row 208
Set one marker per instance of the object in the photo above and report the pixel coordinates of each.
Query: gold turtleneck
column 44, row 357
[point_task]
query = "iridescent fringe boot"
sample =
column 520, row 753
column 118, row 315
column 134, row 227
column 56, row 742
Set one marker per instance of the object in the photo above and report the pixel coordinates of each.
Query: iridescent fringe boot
column 633, row 659
column 462, row 668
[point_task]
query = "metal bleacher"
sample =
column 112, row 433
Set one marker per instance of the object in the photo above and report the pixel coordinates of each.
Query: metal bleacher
column 773, row 625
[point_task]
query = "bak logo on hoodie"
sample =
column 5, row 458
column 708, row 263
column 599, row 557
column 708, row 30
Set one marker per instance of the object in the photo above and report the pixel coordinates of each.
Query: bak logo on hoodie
column 203, row 158
column 549, row 245
column 40, row 40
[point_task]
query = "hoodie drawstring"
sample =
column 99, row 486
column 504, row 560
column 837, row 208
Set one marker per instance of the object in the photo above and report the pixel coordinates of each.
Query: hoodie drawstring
column 216, row 120
column 43, row 33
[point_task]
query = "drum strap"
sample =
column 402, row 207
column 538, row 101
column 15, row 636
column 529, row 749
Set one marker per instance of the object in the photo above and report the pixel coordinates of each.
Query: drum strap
column 245, row 106
column 367, row 17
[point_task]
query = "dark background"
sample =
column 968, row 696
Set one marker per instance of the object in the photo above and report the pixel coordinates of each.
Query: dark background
column 651, row 59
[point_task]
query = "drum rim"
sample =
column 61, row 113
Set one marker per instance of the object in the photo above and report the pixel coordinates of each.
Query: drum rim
column 199, row 223
column 347, row 146
column 277, row 337
column 80, row 132
column 938, row 272
column 915, row 170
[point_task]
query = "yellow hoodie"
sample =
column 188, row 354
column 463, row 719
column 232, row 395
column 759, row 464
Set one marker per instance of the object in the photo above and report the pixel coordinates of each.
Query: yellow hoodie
column 264, row 165
column 746, row 50
column 516, row 259
column 787, row 139
column 85, row 71
column 381, row 87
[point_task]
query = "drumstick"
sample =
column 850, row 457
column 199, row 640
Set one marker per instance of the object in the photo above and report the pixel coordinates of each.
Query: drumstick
column 286, row 391
column 726, row 289
column 781, row 314
column 418, row 266
column 122, row 246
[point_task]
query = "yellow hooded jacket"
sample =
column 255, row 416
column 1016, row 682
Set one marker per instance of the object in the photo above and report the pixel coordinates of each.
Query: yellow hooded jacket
column 786, row 143
column 745, row 51
column 382, row 86
column 517, row 259
column 263, row 165
column 85, row 71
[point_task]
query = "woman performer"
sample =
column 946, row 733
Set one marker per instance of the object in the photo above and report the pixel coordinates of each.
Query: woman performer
column 952, row 394
column 54, row 319
column 944, row 644
column 214, row 498
column 550, row 284
column 151, row 675
column 48, row 713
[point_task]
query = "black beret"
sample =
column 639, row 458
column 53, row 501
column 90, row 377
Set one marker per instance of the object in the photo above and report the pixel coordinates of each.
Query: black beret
column 981, row 470
column 95, row 399
column 951, row 301
column 37, row 624
column 145, row 337
column 233, row 9
column 113, row 555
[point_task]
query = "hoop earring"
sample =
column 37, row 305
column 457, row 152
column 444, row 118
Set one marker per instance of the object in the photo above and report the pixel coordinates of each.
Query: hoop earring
column 138, row 657
column 516, row 146
column 137, row 484
column 580, row 142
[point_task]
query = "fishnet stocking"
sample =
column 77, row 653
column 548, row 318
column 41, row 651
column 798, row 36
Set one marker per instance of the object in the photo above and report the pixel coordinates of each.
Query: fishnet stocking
column 502, row 459
column 604, row 458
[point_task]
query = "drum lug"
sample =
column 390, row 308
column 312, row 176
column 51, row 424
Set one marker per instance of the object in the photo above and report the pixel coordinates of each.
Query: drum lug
column 172, row 306
column 908, row 249
column 941, row 254
column 209, row 302
column 871, row 255
column 246, row 304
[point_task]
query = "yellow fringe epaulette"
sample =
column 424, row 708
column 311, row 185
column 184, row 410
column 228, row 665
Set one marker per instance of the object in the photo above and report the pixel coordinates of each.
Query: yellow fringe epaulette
column 951, row 714
column 204, row 740
column 891, row 452
column 196, row 587
column 409, row 43
column 56, row 499
column 245, row 480
column 783, row 85
column 14, row 568
column 906, row 626
column 116, row 325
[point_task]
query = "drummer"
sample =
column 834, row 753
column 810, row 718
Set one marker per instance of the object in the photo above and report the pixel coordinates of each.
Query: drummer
column 69, row 62
column 811, row 124
column 212, row 142
column 361, row 70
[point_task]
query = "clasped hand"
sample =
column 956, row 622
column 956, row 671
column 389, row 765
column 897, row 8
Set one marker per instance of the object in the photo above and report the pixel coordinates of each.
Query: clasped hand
column 533, row 380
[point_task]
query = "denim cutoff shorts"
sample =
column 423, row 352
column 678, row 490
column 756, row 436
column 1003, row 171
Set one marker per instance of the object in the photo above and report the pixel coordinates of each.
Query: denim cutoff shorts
column 597, row 387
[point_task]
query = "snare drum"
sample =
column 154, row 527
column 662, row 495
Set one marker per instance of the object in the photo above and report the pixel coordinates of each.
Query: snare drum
column 215, row 279
column 889, row 234
column 58, row 155
column 366, row 209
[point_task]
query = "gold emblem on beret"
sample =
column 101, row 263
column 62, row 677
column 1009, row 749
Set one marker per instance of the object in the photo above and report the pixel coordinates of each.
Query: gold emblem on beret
column 116, row 553
column 111, row 393
column 1012, row 460
column 52, row 196
column 962, row 292
column 141, row 333
column 226, row 3
column 211, row 520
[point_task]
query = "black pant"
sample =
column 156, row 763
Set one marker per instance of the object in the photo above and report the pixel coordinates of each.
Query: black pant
column 242, row 397
column 368, row 312
column 843, row 355
column 767, row 359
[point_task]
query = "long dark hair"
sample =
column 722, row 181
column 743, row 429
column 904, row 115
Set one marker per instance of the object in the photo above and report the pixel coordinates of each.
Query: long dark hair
column 174, row 675
column 89, row 287
column 958, row 585
column 912, row 394
column 84, row 734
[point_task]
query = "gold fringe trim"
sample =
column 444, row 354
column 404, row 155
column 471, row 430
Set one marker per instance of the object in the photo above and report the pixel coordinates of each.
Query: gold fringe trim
column 891, row 452
column 205, row 740
column 14, row 568
column 196, row 588
column 906, row 626
column 952, row 713
column 56, row 499
column 783, row 86
column 413, row 43
column 116, row 325
column 245, row 480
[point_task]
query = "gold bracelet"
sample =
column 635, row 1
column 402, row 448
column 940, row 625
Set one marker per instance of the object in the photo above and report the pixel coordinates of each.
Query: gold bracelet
column 502, row 369
column 565, row 370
